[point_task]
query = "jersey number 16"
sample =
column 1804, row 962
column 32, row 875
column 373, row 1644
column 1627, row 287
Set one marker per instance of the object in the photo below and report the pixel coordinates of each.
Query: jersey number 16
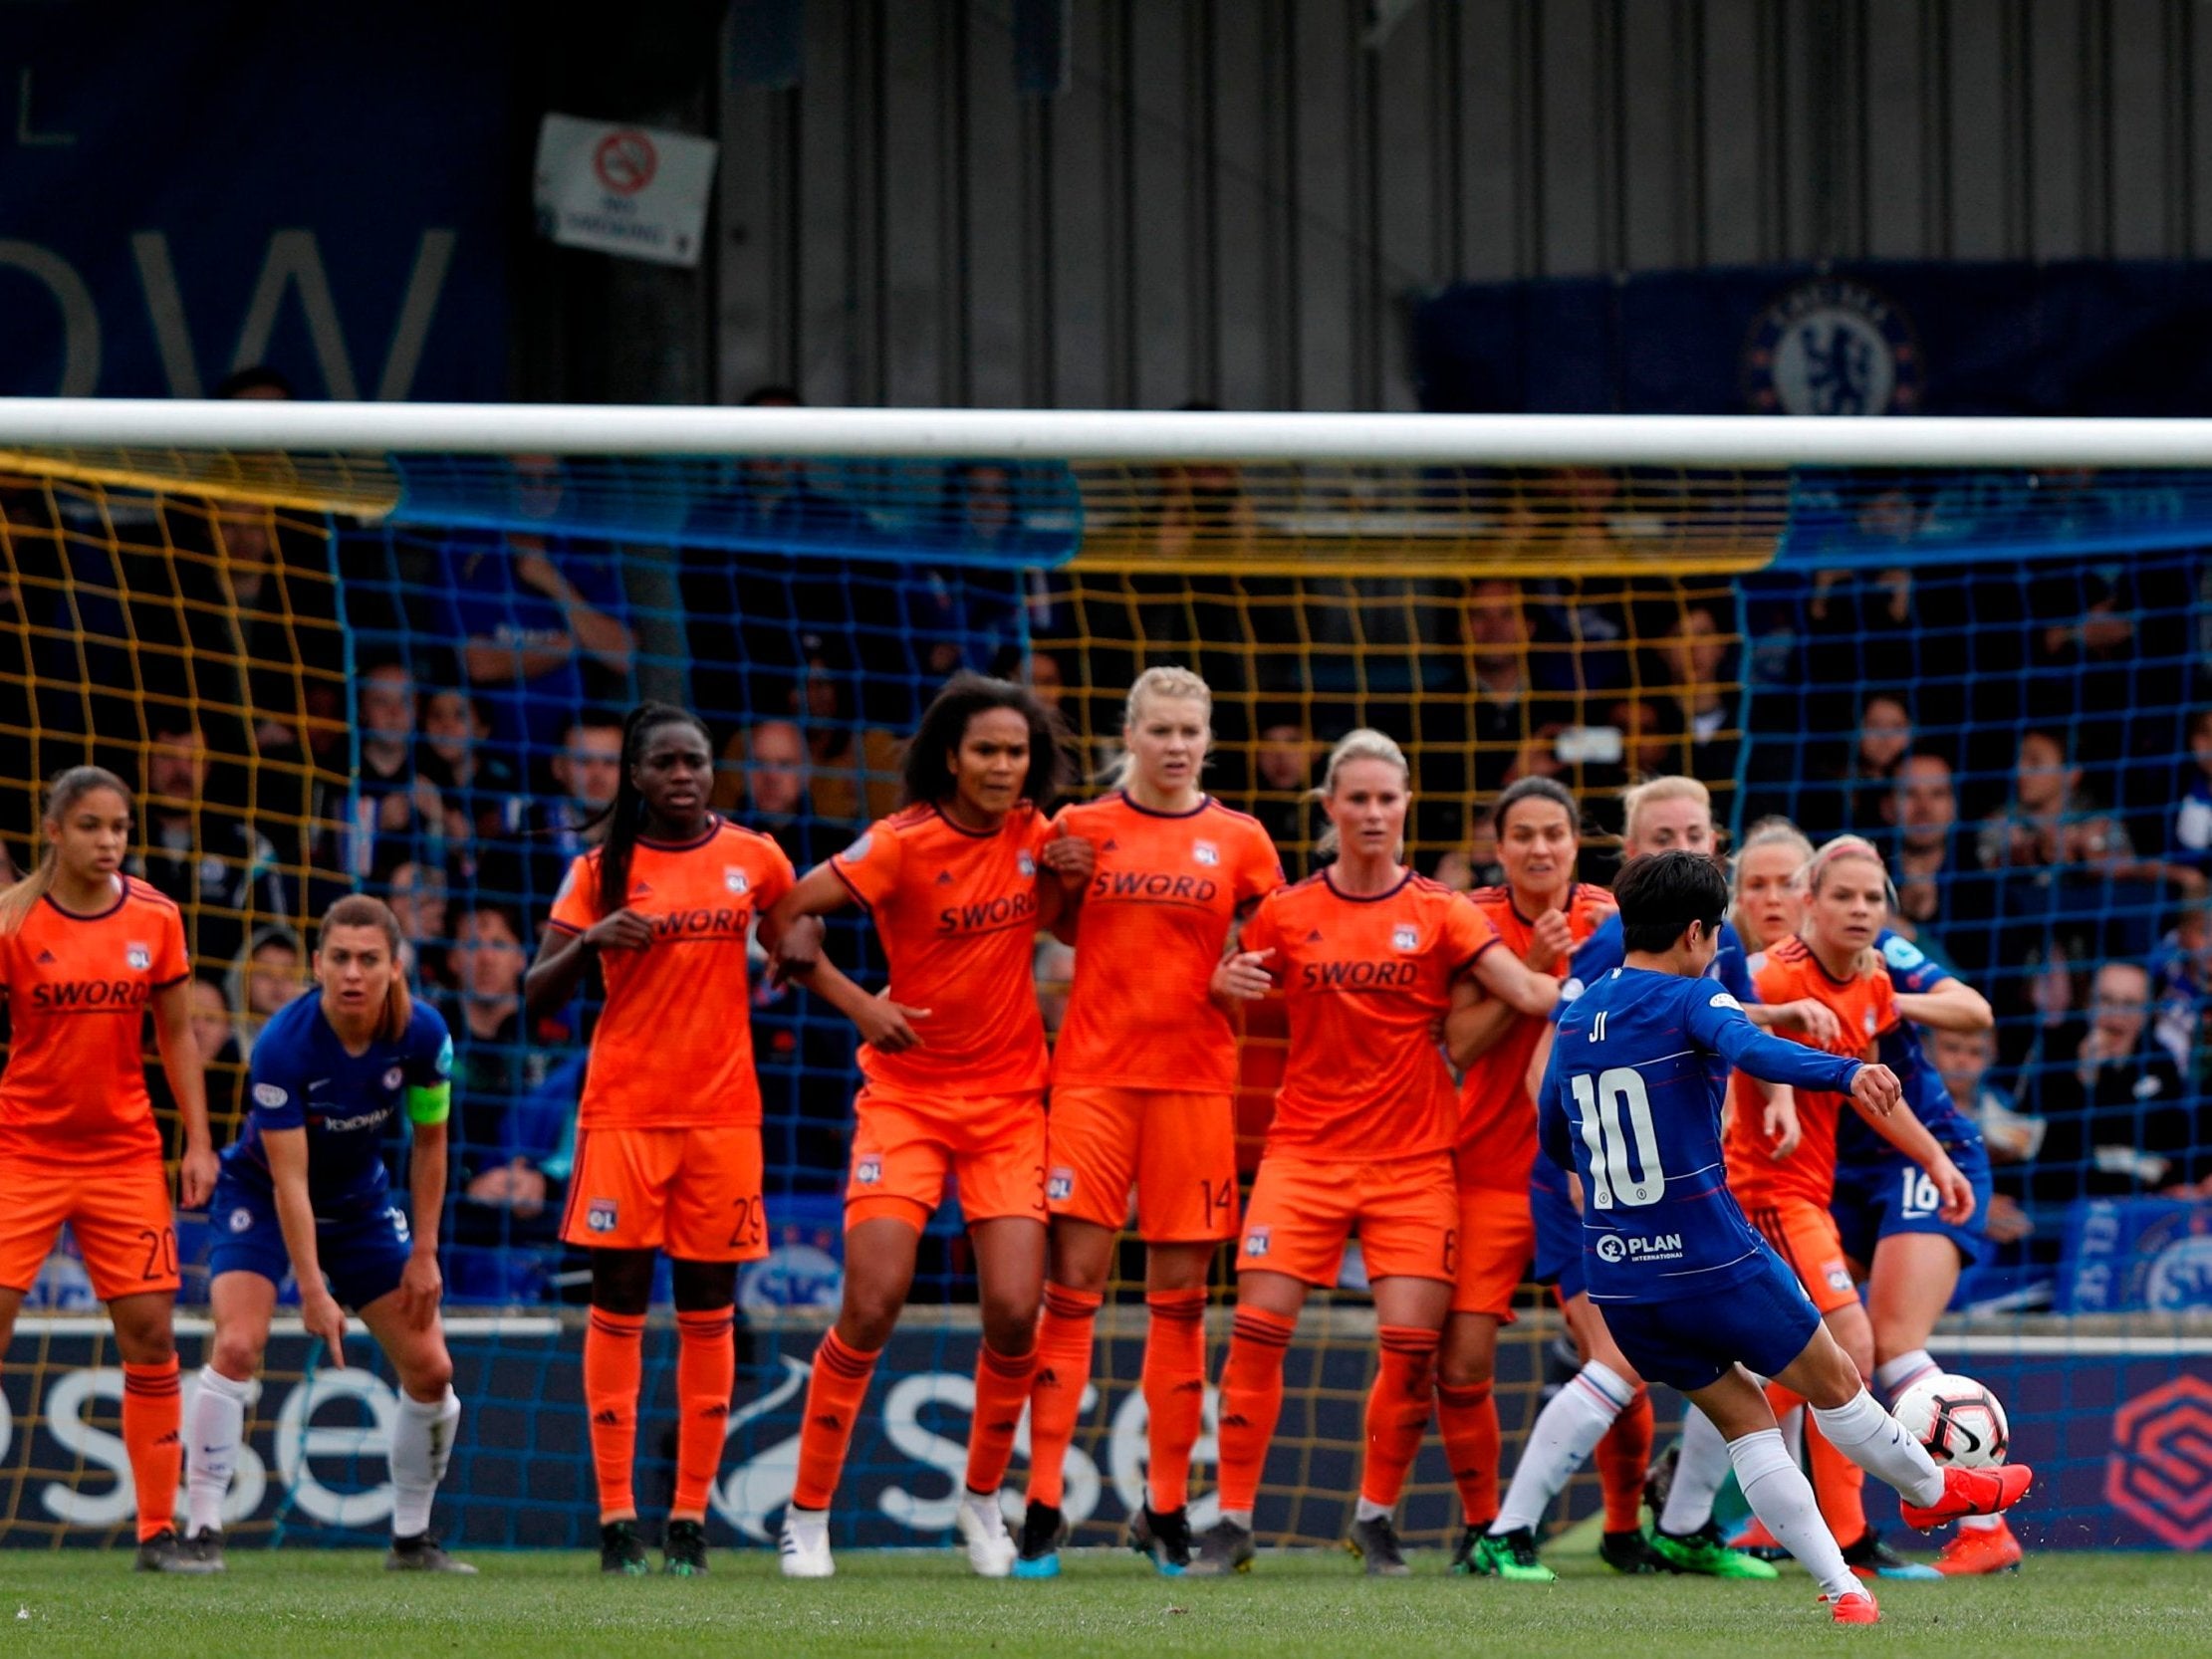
column 1615, row 1094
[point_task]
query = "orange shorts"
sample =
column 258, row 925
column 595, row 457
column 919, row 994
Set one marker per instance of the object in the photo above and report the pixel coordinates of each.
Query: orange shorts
column 1302, row 1211
column 118, row 1213
column 903, row 1149
column 1497, row 1243
column 1178, row 1150
column 1804, row 1234
column 693, row 1193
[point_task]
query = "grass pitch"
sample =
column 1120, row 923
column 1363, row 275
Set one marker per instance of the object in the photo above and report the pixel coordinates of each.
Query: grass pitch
column 308, row 1604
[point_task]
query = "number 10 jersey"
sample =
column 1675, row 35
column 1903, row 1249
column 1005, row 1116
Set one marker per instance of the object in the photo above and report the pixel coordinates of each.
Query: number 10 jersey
column 1632, row 1101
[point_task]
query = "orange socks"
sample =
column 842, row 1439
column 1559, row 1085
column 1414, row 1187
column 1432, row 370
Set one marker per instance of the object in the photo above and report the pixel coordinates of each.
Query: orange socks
column 834, row 1396
column 1397, row 1410
column 706, row 1370
column 1174, row 1392
column 613, row 1365
column 1467, row 1418
column 152, row 1418
column 1251, row 1401
column 1055, row 1401
column 1624, row 1457
column 1002, row 1385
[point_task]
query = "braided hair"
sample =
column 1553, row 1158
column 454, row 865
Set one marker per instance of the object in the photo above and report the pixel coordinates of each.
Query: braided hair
column 624, row 816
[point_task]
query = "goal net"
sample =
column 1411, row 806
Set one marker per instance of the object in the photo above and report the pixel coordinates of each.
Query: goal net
column 393, row 655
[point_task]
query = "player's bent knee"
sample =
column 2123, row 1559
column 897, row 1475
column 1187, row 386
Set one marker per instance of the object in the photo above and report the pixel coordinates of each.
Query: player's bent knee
column 869, row 1315
column 1009, row 1323
column 428, row 1377
column 237, row 1354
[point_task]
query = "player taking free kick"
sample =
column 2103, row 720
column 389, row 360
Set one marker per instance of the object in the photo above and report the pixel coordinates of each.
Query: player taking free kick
column 1691, row 1293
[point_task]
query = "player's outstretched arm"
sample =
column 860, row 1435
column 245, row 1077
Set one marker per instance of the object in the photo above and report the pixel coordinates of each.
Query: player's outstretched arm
column 1953, row 1004
column 1507, row 978
column 1718, row 1024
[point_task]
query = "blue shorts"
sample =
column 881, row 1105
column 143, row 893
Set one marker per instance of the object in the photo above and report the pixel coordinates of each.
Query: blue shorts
column 1762, row 1321
column 363, row 1254
column 1891, row 1195
column 1559, row 1241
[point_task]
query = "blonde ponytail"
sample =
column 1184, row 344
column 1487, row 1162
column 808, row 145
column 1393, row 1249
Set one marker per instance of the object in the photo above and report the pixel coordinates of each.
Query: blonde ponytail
column 18, row 902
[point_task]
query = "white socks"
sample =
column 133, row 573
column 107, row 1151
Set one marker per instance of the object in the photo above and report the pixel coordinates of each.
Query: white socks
column 810, row 1528
column 1878, row 1444
column 421, row 1446
column 216, row 1425
column 1238, row 1518
column 1368, row 1510
column 1893, row 1376
column 1781, row 1496
column 1698, row 1473
column 1567, row 1431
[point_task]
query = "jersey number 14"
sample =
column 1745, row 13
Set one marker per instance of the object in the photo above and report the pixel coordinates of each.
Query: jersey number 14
column 1616, row 1121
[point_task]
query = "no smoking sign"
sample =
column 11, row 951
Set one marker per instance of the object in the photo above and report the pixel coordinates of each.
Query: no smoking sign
column 624, row 190
column 625, row 161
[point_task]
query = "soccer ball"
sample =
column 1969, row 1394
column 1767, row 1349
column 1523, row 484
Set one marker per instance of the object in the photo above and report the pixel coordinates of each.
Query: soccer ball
column 1956, row 1419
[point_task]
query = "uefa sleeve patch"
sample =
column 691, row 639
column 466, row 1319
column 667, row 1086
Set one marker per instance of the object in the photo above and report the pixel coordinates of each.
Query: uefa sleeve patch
column 270, row 1096
column 444, row 1061
column 1722, row 999
column 1903, row 953
column 858, row 852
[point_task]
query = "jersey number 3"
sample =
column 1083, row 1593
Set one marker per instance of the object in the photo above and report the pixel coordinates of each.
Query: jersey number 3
column 1615, row 1114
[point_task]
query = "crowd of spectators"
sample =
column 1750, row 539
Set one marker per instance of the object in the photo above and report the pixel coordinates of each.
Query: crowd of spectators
column 2019, row 743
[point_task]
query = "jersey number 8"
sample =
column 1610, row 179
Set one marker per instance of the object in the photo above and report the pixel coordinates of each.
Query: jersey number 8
column 1602, row 1103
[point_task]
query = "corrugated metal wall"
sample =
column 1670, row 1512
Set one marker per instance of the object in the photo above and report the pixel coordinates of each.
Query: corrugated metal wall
column 1234, row 199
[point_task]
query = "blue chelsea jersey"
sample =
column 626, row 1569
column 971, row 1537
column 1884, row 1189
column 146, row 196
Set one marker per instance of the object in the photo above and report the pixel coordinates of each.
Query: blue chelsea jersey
column 1634, row 1097
column 300, row 1076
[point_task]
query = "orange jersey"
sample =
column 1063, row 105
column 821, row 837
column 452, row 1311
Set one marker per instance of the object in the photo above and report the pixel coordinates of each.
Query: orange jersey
column 1867, row 1005
column 1148, row 937
column 1364, row 981
column 956, row 911
column 75, row 1090
column 674, row 1046
column 1497, row 1114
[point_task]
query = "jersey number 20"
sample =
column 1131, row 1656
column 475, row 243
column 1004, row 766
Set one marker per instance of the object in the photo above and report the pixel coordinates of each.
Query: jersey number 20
column 1615, row 1094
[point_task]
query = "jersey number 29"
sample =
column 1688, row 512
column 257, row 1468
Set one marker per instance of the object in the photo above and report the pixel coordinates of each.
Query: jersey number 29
column 1615, row 1094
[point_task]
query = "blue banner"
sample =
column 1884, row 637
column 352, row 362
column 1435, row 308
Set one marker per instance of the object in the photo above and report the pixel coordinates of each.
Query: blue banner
column 2138, row 1255
column 1871, row 338
column 192, row 189
column 2118, row 1433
